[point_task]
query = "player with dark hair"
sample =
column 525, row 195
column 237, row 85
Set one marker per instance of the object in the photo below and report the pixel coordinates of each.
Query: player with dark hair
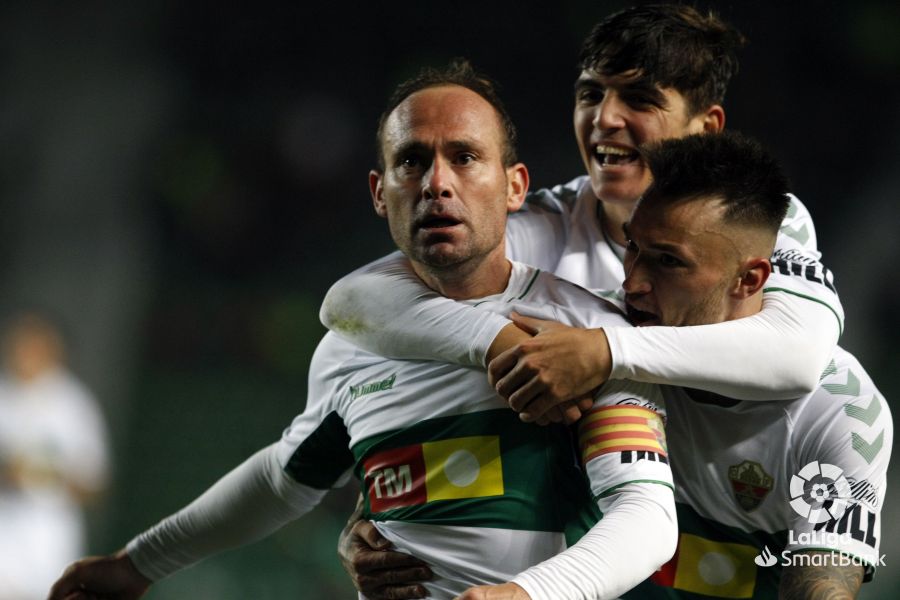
column 669, row 46
column 774, row 499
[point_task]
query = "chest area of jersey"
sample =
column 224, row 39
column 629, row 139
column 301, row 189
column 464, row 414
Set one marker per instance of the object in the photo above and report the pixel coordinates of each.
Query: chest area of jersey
column 733, row 467
column 397, row 394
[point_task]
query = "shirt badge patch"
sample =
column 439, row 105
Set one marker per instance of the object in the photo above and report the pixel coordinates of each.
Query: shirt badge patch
column 750, row 484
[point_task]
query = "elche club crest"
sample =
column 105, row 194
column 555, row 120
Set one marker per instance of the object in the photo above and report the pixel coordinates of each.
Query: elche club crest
column 750, row 484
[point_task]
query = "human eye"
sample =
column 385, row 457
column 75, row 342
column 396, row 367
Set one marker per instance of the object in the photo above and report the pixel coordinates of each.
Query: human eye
column 639, row 101
column 589, row 94
column 643, row 98
column 465, row 158
column 670, row 261
column 411, row 163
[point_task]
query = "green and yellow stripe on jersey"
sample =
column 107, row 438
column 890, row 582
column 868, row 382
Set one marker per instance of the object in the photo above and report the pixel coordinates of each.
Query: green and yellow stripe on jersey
column 619, row 428
column 481, row 469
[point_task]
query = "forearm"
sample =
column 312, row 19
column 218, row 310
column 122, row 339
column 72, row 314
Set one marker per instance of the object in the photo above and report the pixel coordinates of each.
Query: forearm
column 250, row 502
column 386, row 309
column 826, row 582
column 779, row 353
column 638, row 533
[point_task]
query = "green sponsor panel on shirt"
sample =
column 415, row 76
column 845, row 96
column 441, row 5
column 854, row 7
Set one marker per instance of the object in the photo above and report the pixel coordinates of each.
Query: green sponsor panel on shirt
column 482, row 469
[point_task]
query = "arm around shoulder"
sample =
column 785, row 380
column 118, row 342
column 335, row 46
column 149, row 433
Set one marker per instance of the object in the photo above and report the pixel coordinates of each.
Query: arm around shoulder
column 777, row 354
column 386, row 309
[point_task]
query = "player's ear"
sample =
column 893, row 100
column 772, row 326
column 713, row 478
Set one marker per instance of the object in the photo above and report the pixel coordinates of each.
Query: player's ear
column 517, row 186
column 754, row 274
column 714, row 119
column 376, row 189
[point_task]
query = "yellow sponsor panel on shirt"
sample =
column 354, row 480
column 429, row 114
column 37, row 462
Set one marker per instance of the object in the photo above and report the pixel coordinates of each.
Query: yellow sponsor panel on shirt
column 719, row 569
column 468, row 467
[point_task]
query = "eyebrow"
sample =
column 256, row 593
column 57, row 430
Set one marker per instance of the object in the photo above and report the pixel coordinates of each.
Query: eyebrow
column 661, row 246
column 639, row 86
column 586, row 84
column 410, row 147
column 418, row 147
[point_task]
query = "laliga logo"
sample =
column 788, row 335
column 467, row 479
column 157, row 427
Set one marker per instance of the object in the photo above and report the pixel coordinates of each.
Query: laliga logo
column 819, row 492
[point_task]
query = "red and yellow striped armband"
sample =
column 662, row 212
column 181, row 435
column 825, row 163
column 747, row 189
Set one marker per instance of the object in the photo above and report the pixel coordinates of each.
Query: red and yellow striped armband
column 618, row 428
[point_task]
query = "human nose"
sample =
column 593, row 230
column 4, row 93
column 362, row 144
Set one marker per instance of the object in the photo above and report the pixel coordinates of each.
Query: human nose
column 437, row 180
column 610, row 112
column 636, row 280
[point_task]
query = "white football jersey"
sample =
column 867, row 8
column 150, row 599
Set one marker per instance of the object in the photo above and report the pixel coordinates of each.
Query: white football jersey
column 448, row 472
column 756, row 482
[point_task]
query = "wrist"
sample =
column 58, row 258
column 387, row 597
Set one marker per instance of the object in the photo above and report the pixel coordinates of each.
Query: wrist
column 602, row 353
column 508, row 337
column 131, row 569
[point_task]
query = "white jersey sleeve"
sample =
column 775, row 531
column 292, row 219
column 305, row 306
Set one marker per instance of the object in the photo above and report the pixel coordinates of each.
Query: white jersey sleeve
column 623, row 449
column 843, row 451
column 247, row 504
column 776, row 354
column 273, row 487
column 797, row 267
column 386, row 309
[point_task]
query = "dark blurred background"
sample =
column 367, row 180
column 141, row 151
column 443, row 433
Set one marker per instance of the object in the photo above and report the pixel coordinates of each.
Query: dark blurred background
column 181, row 182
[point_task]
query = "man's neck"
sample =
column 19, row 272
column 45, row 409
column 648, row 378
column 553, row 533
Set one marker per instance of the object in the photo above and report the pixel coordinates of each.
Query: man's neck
column 475, row 278
column 612, row 218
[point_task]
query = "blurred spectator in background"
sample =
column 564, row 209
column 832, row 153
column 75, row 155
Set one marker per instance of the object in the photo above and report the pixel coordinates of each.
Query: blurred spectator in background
column 53, row 459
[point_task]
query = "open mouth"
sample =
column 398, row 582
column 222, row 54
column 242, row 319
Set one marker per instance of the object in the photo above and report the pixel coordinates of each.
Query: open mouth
column 614, row 155
column 640, row 318
column 437, row 222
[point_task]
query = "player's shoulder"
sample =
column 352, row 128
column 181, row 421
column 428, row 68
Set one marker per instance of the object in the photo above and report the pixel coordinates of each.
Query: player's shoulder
column 558, row 199
column 797, row 230
column 846, row 408
column 336, row 358
column 844, row 381
column 575, row 305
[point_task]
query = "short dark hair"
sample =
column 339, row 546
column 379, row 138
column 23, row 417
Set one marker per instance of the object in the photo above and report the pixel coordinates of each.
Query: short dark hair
column 459, row 72
column 729, row 166
column 669, row 45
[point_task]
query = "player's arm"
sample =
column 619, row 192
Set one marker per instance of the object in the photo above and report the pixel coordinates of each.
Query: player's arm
column 386, row 309
column 824, row 582
column 843, row 442
column 778, row 353
column 790, row 341
column 250, row 502
column 632, row 484
column 271, row 488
